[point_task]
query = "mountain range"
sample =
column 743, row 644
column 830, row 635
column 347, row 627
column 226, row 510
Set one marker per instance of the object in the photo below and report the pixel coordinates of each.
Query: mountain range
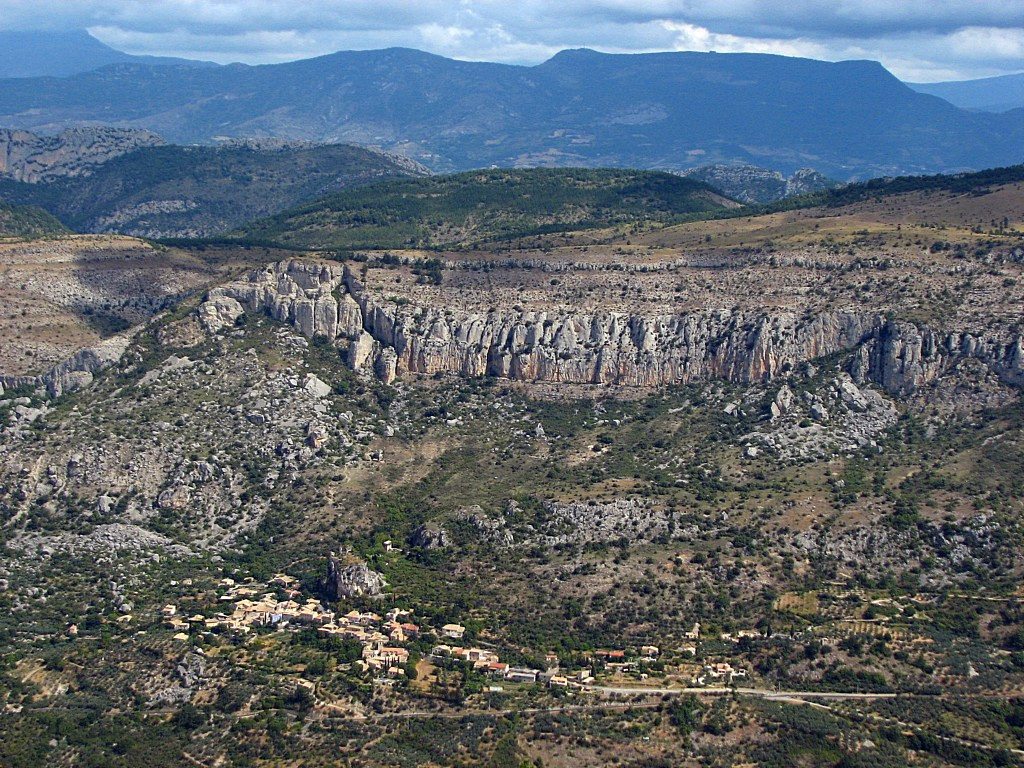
column 668, row 111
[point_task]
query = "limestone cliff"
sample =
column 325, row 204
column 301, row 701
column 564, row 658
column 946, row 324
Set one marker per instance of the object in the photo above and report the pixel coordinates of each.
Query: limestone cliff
column 631, row 349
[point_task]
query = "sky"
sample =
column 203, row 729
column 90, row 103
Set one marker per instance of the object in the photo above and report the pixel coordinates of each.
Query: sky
column 917, row 40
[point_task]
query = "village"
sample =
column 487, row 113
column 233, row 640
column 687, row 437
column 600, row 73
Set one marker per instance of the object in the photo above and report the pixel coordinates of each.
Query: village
column 250, row 606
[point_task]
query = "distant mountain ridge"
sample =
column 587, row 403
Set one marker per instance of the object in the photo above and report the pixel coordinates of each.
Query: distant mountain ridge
column 60, row 54
column 989, row 94
column 667, row 111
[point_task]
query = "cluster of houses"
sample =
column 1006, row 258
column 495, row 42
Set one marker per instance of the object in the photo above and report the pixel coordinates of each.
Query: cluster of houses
column 255, row 605
column 488, row 663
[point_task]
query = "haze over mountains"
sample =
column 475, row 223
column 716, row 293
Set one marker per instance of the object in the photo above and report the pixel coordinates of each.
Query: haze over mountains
column 990, row 94
column 59, row 54
column 667, row 111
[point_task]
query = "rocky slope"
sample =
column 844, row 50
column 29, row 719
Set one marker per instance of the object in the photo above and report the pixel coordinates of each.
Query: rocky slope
column 33, row 158
column 67, row 300
column 751, row 184
column 394, row 338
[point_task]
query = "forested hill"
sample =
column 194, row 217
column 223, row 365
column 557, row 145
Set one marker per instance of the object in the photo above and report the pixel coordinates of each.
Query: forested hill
column 487, row 206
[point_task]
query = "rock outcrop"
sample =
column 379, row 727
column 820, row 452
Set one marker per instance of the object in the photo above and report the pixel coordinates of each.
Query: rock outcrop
column 219, row 313
column 752, row 184
column 430, row 536
column 342, row 582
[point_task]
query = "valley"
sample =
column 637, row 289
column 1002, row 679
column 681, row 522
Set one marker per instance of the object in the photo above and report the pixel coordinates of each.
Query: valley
column 720, row 486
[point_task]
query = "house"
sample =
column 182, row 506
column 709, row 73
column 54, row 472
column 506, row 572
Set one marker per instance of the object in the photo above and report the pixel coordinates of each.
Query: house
column 454, row 631
column 284, row 580
column 559, row 681
column 693, row 634
column 382, row 657
column 521, row 675
column 496, row 669
column 475, row 654
column 650, row 651
column 722, row 671
column 169, row 610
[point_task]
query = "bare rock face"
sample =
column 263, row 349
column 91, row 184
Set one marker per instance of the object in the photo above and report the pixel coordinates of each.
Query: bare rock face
column 393, row 339
column 175, row 498
column 342, row 582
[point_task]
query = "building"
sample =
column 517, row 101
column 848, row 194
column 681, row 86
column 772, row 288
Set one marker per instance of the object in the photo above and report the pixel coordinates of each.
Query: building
column 454, row 631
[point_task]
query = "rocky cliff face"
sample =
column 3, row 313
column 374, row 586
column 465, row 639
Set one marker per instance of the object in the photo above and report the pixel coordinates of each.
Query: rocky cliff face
column 28, row 157
column 605, row 348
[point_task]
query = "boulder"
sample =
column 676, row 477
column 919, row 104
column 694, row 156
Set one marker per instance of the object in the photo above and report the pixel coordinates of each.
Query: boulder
column 852, row 396
column 316, row 386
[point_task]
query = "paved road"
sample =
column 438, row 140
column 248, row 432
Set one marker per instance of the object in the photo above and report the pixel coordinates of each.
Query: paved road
column 766, row 693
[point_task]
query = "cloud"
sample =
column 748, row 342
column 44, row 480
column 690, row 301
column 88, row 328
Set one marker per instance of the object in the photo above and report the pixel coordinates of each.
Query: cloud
column 921, row 39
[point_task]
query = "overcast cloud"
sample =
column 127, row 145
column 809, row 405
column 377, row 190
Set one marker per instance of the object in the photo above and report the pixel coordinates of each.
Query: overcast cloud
column 919, row 40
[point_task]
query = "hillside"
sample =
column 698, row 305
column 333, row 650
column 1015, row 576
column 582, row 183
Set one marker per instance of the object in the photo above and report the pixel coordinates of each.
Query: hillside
column 741, row 491
column 30, row 157
column 173, row 191
column 667, row 111
column 24, row 222
column 478, row 207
